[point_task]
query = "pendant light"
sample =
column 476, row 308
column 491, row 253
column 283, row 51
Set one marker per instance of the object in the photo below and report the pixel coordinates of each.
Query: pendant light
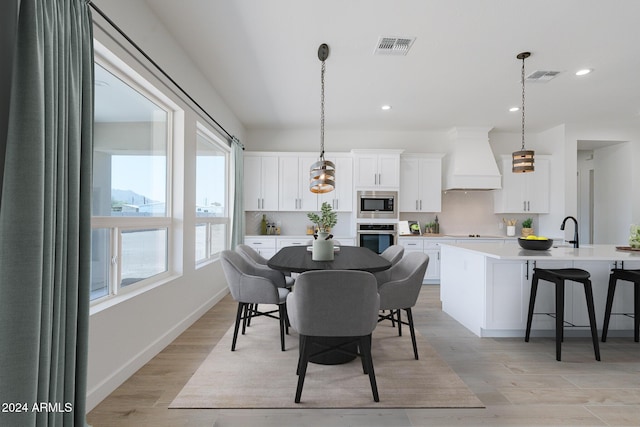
column 322, row 178
column 523, row 159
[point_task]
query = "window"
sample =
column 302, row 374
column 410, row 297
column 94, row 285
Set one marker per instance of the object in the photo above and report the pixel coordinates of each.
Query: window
column 131, row 182
column 212, row 213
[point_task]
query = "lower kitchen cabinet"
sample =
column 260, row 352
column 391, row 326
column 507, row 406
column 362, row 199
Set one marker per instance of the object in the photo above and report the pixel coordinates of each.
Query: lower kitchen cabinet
column 509, row 288
column 265, row 246
column 428, row 246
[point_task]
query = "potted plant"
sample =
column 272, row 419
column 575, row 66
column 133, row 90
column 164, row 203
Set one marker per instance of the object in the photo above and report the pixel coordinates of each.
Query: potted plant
column 323, row 245
column 527, row 227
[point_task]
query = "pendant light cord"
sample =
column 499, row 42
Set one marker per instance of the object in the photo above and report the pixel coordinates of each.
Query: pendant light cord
column 522, row 80
column 322, row 110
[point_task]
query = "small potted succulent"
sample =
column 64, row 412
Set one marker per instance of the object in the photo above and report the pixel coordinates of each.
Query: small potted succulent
column 323, row 245
column 527, row 227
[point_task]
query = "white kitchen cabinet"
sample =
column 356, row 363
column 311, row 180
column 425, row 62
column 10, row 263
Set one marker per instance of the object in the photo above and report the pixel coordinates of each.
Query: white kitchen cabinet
column 524, row 192
column 286, row 242
column 340, row 199
column 377, row 169
column 428, row 246
column 260, row 182
column 264, row 246
column 420, row 183
column 293, row 184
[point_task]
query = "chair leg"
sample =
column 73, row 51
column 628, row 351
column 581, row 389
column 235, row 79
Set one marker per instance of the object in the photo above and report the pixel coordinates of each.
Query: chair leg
column 237, row 325
column 302, row 366
column 247, row 312
column 559, row 318
column 282, row 316
column 252, row 308
column 413, row 332
column 365, row 346
column 588, row 291
column 532, row 302
column 302, row 342
column 607, row 313
column 399, row 322
column 636, row 311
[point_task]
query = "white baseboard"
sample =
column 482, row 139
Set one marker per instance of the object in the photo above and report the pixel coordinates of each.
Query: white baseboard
column 115, row 380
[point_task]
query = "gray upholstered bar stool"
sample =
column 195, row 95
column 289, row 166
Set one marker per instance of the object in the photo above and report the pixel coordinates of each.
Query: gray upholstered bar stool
column 629, row 276
column 558, row 277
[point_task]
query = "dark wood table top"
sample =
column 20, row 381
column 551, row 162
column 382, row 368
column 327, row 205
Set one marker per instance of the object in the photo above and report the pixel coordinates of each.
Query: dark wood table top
column 297, row 259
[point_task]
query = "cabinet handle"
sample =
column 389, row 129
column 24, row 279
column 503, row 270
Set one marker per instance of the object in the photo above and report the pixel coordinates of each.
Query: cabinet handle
column 420, row 204
column 416, row 205
column 524, row 206
column 529, row 206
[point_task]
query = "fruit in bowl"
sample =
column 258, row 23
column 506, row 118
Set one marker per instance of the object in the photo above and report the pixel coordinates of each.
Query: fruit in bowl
column 537, row 243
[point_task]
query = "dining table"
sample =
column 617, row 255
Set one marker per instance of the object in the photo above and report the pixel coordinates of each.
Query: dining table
column 297, row 259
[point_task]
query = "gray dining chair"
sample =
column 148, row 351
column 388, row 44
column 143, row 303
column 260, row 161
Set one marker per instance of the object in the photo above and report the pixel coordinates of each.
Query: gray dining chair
column 393, row 254
column 250, row 287
column 401, row 290
column 253, row 256
column 334, row 303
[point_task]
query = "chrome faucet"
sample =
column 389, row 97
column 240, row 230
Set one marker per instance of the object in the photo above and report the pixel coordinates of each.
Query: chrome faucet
column 576, row 240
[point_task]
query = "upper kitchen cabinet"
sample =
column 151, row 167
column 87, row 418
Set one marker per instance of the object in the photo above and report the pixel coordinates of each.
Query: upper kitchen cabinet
column 341, row 199
column 377, row 168
column 421, row 183
column 524, row 192
column 260, row 182
column 293, row 183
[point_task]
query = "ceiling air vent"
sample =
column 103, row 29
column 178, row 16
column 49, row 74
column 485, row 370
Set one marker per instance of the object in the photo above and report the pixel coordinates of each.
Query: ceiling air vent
column 541, row 76
column 393, row 45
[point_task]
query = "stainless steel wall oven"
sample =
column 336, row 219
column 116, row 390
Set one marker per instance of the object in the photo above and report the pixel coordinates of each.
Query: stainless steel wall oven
column 377, row 237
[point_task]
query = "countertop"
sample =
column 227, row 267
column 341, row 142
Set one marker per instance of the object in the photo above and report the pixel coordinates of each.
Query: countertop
column 515, row 252
column 456, row 236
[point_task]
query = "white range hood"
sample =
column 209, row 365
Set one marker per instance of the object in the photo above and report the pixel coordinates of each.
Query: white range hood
column 470, row 164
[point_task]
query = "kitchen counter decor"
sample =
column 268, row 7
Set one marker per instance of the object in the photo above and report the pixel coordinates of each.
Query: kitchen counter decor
column 535, row 244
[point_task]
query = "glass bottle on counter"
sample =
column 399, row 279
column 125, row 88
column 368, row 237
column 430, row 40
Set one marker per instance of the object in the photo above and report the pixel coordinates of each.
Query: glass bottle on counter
column 263, row 225
column 436, row 228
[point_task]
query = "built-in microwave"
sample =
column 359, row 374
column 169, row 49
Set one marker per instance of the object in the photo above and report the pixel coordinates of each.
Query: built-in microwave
column 377, row 204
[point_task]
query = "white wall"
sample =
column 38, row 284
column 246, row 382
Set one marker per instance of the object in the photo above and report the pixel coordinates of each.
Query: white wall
column 612, row 194
column 125, row 336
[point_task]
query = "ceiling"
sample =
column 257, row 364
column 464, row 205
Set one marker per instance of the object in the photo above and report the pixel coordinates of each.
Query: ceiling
column 261, row 56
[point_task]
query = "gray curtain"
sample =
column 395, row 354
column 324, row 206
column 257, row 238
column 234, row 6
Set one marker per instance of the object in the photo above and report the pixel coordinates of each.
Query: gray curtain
column 237, row 219
column 45, row 214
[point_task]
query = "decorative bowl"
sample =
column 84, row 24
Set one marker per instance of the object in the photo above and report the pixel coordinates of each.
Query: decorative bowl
column 535, row 245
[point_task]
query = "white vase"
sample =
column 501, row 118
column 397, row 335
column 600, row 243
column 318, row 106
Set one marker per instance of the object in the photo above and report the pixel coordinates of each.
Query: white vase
column 322, row 248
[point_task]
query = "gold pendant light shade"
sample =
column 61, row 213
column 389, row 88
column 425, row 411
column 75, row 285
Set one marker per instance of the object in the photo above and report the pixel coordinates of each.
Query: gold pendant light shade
column 322, row 178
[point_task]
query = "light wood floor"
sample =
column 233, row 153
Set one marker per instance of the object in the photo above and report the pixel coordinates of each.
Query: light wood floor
column 520, row 383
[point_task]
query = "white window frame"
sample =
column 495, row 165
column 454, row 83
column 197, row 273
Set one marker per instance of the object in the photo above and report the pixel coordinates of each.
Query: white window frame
column 212, row 138
column 116, row 225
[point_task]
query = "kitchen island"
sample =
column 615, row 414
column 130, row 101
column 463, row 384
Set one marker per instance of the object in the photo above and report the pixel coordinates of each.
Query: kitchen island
column 486, row 287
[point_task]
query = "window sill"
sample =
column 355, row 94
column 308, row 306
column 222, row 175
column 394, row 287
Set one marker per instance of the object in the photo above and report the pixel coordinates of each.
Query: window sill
column 117, row 299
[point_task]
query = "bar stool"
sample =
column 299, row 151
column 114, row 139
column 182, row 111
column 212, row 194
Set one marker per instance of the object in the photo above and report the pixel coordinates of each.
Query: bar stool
column 558, row 277
column 629, row 276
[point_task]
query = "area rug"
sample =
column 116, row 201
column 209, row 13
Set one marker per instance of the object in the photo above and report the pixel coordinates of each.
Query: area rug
column 259, row 375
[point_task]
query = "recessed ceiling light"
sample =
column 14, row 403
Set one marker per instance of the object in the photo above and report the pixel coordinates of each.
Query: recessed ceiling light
column 513, row 109
column 583, row 72
column 386, row 107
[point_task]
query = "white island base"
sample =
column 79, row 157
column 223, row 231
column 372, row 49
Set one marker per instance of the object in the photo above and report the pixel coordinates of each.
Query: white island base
column 486, row 288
